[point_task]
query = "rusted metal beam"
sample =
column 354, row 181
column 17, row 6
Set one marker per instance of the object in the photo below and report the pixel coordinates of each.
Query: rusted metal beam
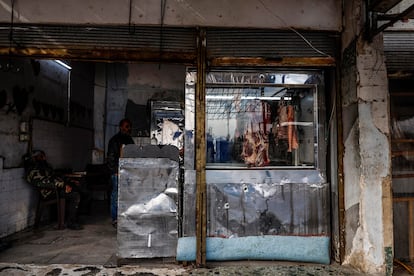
column 403, row 15
column 105, row 55
column 200, row 151
column 276, row 62
column 340, row 172
column 382, row 5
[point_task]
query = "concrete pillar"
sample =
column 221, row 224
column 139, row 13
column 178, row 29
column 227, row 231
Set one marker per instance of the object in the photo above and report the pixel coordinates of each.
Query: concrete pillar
column 367, row 158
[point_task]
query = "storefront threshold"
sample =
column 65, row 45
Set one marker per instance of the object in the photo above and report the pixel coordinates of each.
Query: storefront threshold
column 313, row 249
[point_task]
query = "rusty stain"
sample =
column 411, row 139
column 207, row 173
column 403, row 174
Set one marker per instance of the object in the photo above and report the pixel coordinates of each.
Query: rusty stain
column 285, row 61
column 105, row 54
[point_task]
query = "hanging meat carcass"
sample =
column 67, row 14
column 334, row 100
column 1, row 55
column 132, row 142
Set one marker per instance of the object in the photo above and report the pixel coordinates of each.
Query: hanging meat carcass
column 286, row 127
column 292, row 137
column 255, row 143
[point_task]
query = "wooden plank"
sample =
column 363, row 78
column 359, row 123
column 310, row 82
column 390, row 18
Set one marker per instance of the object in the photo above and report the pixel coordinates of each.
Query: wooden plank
column 200, row 152
column 402, row 153
column 402, row 94
column 403, row 175
column 410, row 206
column 410, row 229
column 402, row 141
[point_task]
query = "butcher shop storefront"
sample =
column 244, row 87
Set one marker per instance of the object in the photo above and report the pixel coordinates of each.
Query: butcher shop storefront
column 259, row 186
column 267, row 192
column 252, row 180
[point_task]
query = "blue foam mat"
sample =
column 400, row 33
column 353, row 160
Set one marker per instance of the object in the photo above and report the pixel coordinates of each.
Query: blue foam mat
column 313, row 249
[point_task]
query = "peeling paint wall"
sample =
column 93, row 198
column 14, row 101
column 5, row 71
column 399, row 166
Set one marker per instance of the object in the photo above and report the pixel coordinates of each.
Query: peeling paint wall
column 302, row 14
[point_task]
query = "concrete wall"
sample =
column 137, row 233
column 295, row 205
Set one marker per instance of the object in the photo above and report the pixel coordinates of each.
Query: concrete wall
column 301, row 14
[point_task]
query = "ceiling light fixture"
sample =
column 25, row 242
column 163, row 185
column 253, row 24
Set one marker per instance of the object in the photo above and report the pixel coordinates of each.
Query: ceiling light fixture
column 61, row 63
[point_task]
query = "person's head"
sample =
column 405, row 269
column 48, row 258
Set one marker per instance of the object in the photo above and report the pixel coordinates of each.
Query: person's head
column 125, row 126
column 38, row 155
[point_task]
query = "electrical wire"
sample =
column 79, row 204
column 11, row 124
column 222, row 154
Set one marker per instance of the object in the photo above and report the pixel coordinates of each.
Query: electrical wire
column 163, row 4
column 11, row 27
column 130, row 30
column 293, row 30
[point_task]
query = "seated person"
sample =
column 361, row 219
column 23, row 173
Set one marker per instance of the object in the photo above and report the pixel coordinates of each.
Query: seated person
column 41, row 175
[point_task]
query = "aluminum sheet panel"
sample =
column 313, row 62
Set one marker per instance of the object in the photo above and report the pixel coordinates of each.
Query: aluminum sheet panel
column 255, row 203
column 147, row 207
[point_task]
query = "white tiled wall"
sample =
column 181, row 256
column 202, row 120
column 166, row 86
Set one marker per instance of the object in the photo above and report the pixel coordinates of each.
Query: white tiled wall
column 66, row 148
column 17, row 201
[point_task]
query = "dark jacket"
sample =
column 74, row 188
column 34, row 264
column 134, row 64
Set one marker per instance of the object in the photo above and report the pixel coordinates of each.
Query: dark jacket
column 114, row 150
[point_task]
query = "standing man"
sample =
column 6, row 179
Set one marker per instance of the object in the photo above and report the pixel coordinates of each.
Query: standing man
column 123, row 137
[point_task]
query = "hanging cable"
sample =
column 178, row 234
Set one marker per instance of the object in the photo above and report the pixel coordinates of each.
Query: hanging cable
column 293, row 30
column 131, row 27
column 162, row 10
column 11, row 27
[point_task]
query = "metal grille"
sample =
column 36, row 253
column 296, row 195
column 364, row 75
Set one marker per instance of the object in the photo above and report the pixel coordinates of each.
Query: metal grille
column 269, row 43
column 99, row 37
column 399, row 51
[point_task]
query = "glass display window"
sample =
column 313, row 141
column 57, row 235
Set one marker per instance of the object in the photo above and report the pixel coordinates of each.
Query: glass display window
column 258, row 120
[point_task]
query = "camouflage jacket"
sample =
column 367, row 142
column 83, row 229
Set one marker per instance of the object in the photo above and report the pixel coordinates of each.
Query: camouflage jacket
column 42, row 177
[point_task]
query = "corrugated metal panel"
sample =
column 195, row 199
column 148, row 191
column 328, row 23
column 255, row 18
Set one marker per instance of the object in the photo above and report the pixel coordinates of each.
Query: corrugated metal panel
column 269, row 43
column 399, row 51
column 100, row 37
column 221, row 42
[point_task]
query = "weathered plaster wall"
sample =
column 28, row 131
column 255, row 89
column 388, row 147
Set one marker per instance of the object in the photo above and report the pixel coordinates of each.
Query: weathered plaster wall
column 302, row 14
column 99, row 102
column 131, row 86
column 366, row 137
column 31, row 88
column 165, row 81
column 351, row 158
column 368, row 211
